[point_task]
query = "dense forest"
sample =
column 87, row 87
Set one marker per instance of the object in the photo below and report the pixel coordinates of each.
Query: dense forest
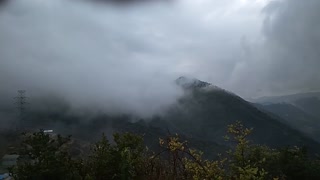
column 125, row 156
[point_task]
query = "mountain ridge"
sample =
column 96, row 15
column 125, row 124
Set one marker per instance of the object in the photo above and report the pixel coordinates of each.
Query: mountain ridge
column 202, row 114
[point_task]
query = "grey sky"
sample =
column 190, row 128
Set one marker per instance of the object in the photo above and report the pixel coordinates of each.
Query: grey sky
column 127, row 57
column 287, row 59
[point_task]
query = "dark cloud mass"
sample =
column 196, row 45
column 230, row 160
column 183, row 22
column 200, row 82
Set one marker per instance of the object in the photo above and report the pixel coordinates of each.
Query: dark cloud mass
column 286, row 60
column 126, row 59
column 292, row 31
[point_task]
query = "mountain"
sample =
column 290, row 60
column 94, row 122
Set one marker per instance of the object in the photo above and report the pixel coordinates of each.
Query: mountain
column 308, row 102
column 300, row 111
column 205, row 112
column 285, row 98
column 200, row 116
column 310, row 105
column 294, row 117
column 190, row 83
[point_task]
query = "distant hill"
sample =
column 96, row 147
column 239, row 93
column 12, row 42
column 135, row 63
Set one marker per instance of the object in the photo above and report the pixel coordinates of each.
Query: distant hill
column 294, row 117
column 311, row 105
column 300, row 111
column 308, row 102
column 285, row 98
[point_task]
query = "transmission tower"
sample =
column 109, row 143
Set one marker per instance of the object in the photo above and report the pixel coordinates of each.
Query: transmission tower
column 21, row 102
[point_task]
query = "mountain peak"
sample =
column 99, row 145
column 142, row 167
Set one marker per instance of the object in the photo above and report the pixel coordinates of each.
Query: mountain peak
column 187, row 82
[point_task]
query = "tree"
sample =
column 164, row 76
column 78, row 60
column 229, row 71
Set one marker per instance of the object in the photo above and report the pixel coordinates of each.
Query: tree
column 43, row 156
column 242, row 166
column 180, row 162
column 122, row 160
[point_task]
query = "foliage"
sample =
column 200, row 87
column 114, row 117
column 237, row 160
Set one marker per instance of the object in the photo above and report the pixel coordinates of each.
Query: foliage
column 295, row 164
column 177, row 161
column 44, row 156
column 121, row 160
column 241, row 165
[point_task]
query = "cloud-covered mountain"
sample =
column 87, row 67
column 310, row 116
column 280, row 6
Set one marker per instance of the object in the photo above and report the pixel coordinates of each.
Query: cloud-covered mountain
column 200, row 115
column 206, row 113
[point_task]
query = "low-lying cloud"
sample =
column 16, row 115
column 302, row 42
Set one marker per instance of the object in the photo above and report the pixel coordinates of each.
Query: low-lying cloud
column 89, row 55
column 126, row 58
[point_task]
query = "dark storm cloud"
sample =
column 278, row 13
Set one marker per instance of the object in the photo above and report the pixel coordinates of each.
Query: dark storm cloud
column 2, row 2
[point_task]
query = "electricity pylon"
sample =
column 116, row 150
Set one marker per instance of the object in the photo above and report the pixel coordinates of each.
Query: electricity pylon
column 21, row 102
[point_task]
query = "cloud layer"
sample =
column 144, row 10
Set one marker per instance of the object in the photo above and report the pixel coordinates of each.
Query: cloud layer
column 127, row 57
column 286, row 60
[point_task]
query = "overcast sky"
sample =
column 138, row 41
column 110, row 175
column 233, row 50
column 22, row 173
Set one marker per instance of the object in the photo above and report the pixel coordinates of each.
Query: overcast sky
column 127, row 56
